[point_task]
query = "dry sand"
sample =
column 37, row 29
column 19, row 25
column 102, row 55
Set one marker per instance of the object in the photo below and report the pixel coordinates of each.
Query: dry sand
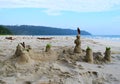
column 46, row 68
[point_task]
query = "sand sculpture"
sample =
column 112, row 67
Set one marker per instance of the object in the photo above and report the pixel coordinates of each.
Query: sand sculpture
column 107, row 56
column 77, row 48
column 97, row 57
column 89, row 55
column 23, row 53
column 48, row 48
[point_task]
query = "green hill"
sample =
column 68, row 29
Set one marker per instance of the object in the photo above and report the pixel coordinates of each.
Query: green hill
column 42, row 30
column 4, row 31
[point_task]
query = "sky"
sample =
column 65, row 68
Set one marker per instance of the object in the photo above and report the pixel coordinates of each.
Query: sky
column 99, row 17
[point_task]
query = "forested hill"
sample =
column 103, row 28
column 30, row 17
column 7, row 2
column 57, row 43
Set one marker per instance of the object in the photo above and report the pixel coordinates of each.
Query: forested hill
column 42, row 30
column 4, row 31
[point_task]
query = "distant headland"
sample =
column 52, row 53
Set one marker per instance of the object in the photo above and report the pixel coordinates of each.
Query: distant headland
column 41, row 30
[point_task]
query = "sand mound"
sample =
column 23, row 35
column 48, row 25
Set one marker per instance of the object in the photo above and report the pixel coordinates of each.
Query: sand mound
column 69, row 56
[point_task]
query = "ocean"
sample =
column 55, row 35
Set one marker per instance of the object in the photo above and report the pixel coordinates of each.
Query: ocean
column 106, row 37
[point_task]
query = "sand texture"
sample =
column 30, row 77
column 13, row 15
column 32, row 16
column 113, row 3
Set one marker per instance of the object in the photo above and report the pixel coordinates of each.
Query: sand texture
column 31, row 63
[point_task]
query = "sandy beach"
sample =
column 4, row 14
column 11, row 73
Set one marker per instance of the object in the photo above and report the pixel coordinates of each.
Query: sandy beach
column 49, row 68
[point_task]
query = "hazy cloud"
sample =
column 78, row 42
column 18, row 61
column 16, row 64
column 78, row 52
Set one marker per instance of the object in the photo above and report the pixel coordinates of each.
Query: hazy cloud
column 56, row 6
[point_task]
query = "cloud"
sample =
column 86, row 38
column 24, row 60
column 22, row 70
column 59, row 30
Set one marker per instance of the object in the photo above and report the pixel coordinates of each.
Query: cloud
column 52, row 12
column 56, row 6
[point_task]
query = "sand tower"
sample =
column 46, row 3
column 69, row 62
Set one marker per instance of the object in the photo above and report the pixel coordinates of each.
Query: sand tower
column 48, row 48
column 89, row 55
column 77, row 42
column 23, row 53
column 107, row 56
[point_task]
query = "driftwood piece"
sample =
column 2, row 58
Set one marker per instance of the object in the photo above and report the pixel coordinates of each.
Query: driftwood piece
column 9, row 38
column 78, row 30
column 50, row 38
column 23, row 44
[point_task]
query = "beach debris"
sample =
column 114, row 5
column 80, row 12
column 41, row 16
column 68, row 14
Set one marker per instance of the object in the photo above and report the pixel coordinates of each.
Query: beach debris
column 89, row 55
column 9, row 38
column 23, row 44
column 27, row 82
column 78, row 30
column 48, row 48
column 45, row 38
column 107, row 56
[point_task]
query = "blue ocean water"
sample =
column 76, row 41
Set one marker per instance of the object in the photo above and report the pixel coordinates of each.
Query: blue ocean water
column 106, row 37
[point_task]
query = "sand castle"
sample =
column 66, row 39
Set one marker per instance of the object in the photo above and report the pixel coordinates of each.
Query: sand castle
column 107, row 56
column 23, row 53
column 55, row 64
column 77, row 48
column 85, row 55
column 89, row 55
column 48, row 48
